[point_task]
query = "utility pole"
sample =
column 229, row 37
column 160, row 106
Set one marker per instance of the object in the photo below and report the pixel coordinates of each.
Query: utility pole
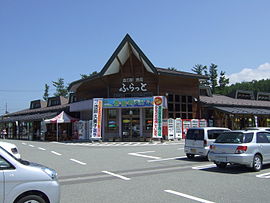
column 6, row 109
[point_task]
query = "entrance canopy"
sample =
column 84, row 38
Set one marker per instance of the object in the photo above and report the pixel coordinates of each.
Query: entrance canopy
column 243, row 110
column 61, row 118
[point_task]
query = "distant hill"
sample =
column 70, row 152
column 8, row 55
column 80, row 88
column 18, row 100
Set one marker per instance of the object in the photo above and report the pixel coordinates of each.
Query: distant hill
column 255, row 86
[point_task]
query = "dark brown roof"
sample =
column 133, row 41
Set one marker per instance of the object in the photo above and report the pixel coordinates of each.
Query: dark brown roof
column 39, row 110
column 228, row 101
column 180, row 73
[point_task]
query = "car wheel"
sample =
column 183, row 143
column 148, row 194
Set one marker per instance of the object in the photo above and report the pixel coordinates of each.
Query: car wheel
column 31, row 199
column 190, row 156
column 257, row 163
column 221, row 164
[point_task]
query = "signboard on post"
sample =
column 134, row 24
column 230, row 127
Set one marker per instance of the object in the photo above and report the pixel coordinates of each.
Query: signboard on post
column 157, row 117
column 97, row 118
column 178, row 128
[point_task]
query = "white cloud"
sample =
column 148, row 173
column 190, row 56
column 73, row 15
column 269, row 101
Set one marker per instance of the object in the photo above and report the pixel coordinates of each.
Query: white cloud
column 248, row 74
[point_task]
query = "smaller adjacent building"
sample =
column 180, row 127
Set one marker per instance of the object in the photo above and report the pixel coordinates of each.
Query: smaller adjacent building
column 239, row 110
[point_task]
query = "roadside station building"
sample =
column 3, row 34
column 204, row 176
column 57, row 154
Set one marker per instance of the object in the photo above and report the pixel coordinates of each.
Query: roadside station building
column 126, row 86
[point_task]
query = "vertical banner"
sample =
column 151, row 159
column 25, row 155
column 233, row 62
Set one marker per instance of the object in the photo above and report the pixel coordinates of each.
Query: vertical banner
column 97, row 118
column 157, row 117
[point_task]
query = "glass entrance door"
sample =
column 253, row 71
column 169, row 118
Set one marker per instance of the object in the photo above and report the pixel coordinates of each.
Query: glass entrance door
column 131, row 124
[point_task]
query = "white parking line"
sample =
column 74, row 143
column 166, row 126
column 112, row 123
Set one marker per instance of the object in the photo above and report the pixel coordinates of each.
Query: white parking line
column 204, row 166
column 31, row 145
column 180, row 148
column 264, row 175
column 79, row 162
column 56, row 153
column 116, row 175
column 188, row 196
column 41, row 148
column 23, row 143
column 166, row 159
column 141, row 154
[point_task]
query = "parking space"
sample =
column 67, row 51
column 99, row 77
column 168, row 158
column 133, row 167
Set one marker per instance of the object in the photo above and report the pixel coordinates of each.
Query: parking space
column 144, row 174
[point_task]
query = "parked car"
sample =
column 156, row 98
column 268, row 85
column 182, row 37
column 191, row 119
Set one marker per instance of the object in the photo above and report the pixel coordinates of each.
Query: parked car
column 258, row 128
column 11, row 148
column 198, row 140
column 22, row 181
column 249, row 148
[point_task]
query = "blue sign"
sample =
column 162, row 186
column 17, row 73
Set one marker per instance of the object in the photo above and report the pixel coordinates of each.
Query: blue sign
column 128, row 102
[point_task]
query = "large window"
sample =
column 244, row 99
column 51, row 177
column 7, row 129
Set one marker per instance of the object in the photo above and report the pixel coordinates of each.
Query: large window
column 180, row 106
column 148, row 118
column 112, row 120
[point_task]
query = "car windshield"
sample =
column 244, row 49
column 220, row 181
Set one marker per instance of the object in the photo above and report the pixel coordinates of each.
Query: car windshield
column 234, row 137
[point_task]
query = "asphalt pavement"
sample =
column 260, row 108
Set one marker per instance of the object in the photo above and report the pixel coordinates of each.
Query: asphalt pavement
column 133, row 172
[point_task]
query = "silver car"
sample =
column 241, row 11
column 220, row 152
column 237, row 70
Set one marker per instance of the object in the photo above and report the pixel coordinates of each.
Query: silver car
column 198, row 140
column 250, row 148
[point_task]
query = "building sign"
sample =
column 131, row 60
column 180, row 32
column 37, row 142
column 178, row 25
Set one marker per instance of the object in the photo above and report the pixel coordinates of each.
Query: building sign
column 157, row 117
column 128, row 102
column 97, row 118
column 130, row 85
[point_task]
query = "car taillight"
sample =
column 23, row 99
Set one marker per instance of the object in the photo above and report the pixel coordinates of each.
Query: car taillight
column 205, row 142
column 241, row 149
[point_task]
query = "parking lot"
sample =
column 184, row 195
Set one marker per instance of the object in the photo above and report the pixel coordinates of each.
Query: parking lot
column 143, row 172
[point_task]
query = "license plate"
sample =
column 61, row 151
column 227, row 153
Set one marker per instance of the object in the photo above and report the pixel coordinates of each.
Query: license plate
column 221, row 159
column 193, row 150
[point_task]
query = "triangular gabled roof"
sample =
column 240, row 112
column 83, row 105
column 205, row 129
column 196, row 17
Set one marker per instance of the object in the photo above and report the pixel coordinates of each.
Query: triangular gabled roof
column 121, row 55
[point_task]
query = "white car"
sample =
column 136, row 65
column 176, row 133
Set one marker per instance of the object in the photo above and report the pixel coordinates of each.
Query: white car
column 22, row 181
column 11, row 148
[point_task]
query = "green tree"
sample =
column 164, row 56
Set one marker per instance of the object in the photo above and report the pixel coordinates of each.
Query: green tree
column 213, row 77
column 84, row 76
column 61, row 89
column 223, row 81
column 199, row 69
column 46, row 92
column 172, row 68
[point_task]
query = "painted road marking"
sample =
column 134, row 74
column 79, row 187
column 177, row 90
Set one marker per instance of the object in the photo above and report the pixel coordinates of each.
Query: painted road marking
column 142, row 154
column 264, row 175
column 180, row 148
column 31, row 145
column 116, row 175
column 79, row 162
column 166, row 159
column 23, row 143
column 56, row 153
column 188, row 196
column 204, row 166
column 41, row 148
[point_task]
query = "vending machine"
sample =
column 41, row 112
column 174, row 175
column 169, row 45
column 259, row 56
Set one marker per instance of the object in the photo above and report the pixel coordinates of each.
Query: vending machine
column 186, row 126
column 178, row 128
column 171, row 127
column 195, row 123
column 164, row 128
column 203, row 123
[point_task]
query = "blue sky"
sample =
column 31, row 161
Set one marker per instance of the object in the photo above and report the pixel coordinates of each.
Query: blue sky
column 41, row 41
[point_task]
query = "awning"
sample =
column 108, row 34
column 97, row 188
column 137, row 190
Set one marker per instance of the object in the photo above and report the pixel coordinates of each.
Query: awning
column 29, row 117
column 243, row 110
column 61, row 118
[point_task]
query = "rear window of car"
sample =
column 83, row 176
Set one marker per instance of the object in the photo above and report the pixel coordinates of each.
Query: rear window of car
column 234, row 137
column 195, row 134
column 213, row 134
